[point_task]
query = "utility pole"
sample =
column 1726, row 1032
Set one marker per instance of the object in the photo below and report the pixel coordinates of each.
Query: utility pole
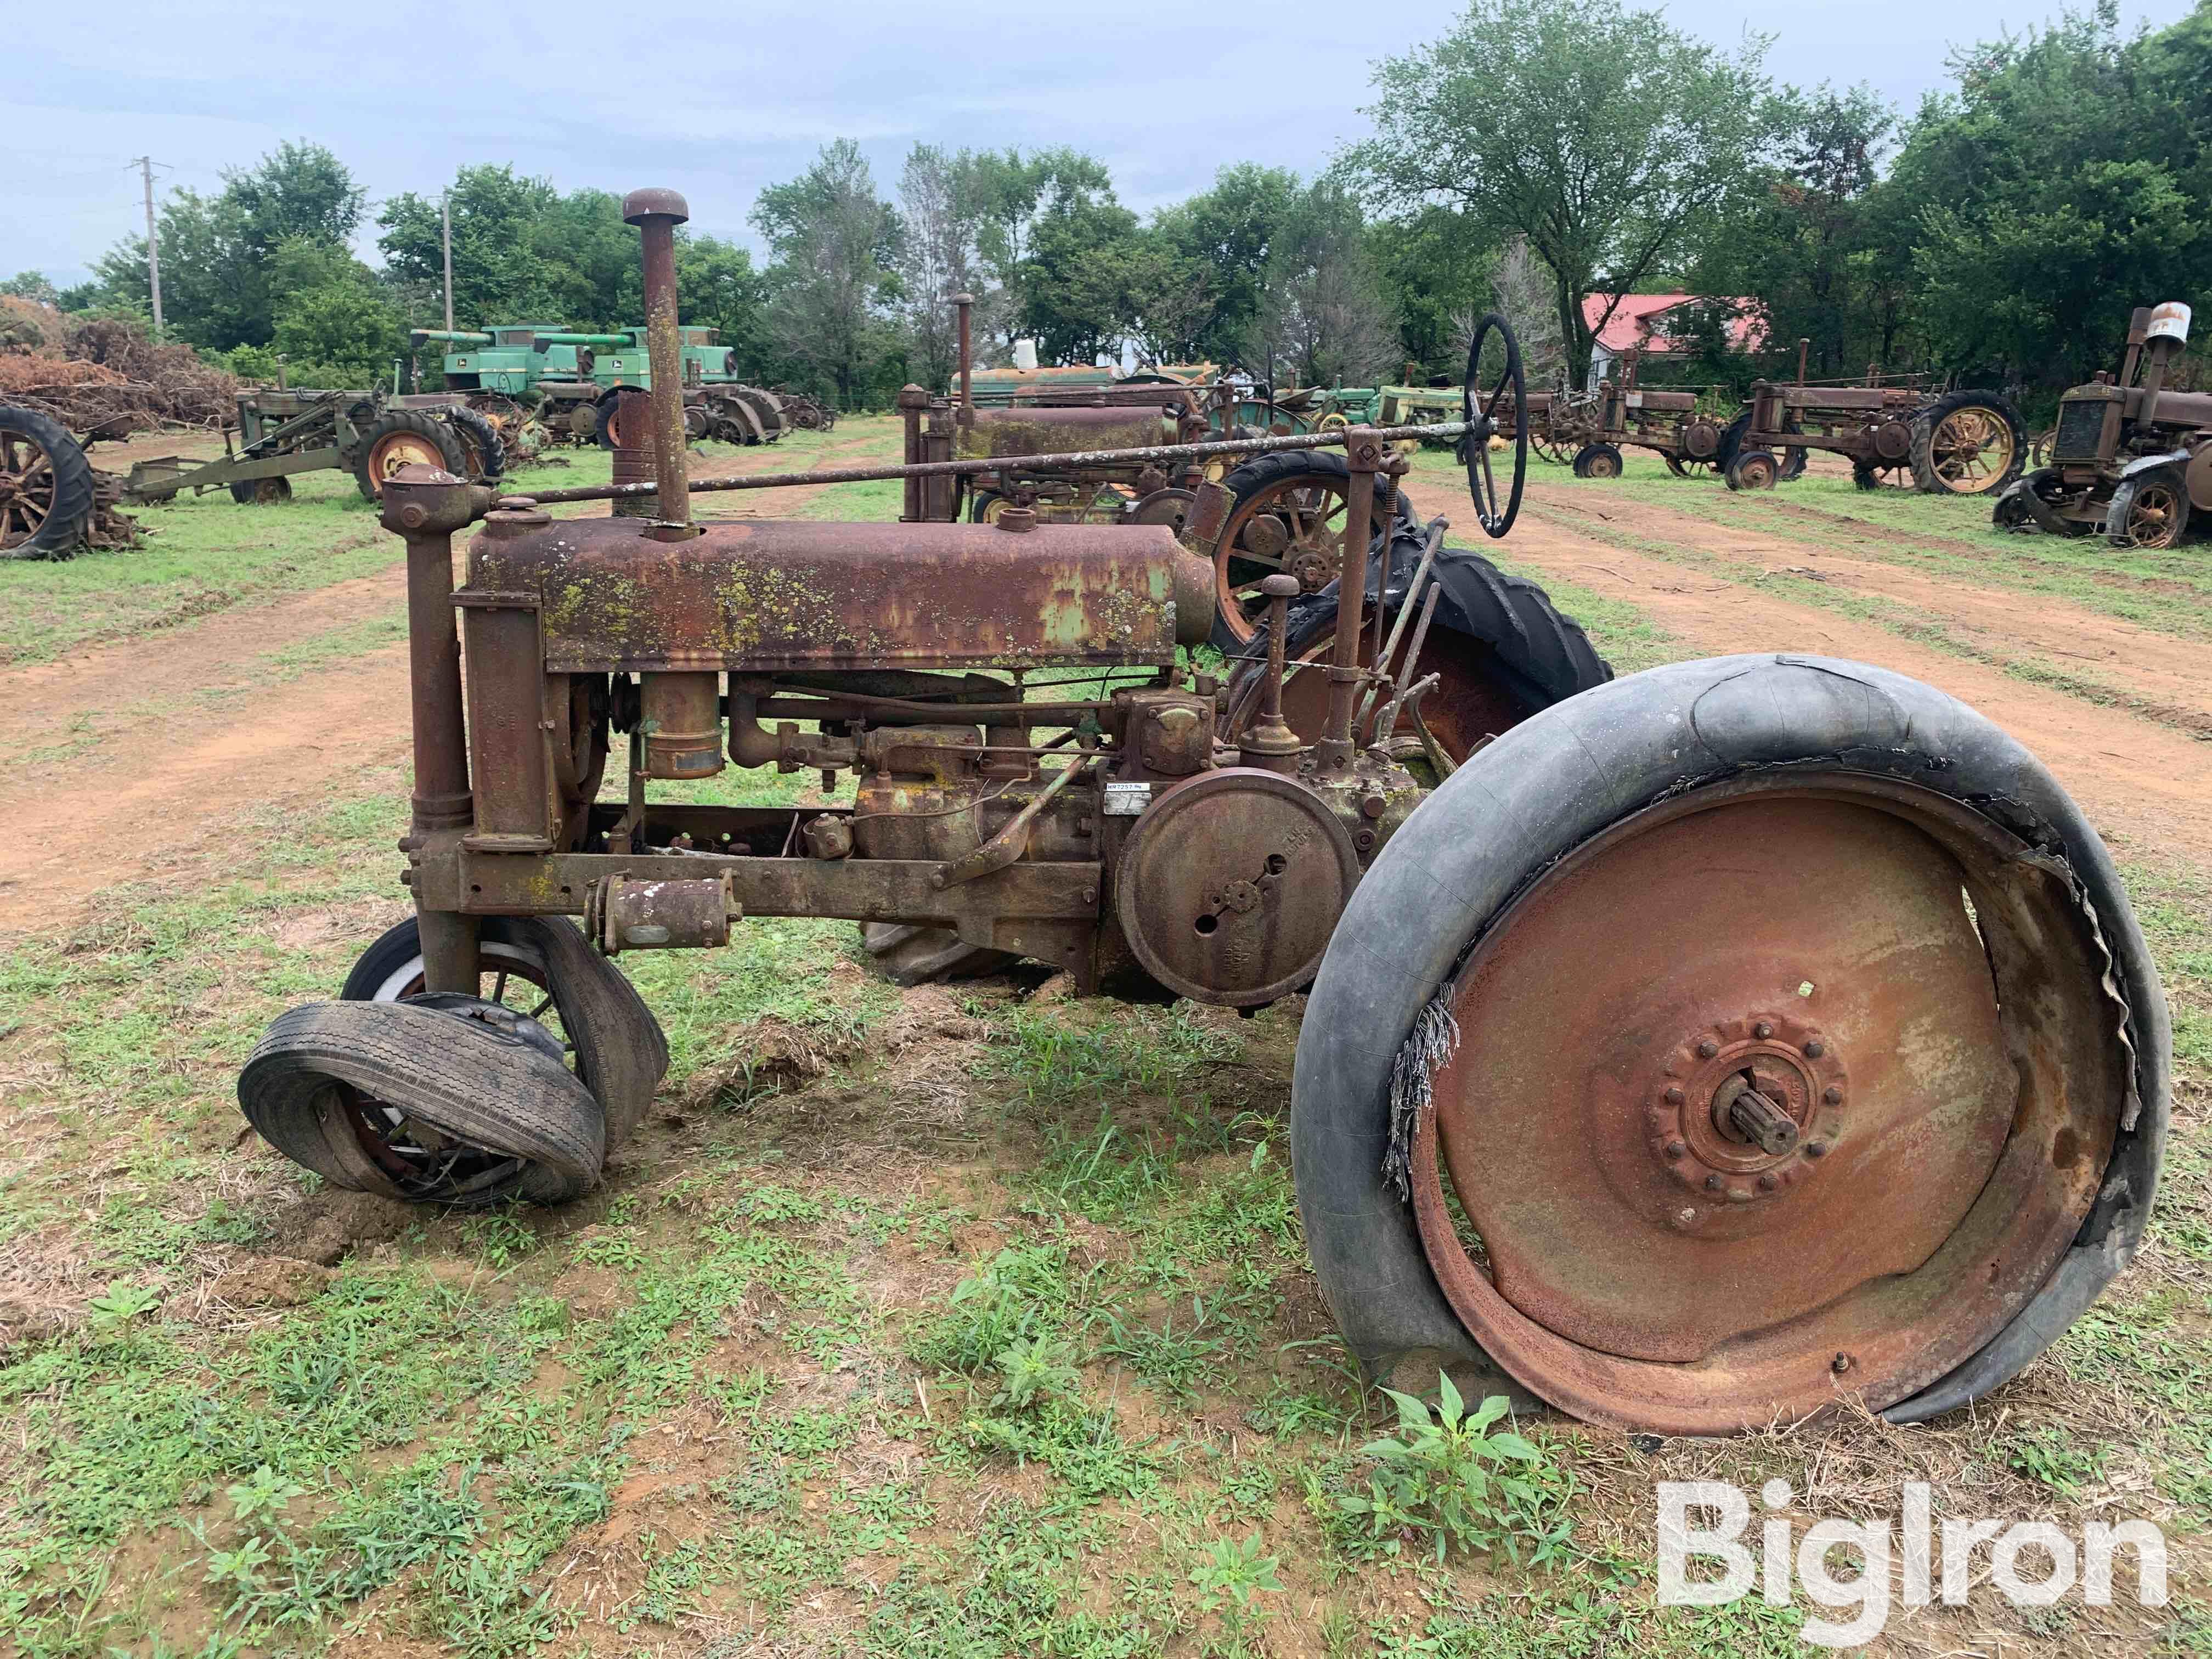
column 153, row 243
column 445, row 219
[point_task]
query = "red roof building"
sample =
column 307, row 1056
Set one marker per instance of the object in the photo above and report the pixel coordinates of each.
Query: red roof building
column 1638, row 323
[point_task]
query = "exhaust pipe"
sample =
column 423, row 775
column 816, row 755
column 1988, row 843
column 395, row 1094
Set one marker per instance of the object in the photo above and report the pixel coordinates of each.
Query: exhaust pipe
column 656, row 213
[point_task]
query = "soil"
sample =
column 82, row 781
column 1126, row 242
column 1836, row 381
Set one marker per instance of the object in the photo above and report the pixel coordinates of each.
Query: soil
column 2141, row 780
column 160, row 792
column 2146, row 777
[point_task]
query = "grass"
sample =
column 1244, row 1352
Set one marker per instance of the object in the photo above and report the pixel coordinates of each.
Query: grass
column 953, row 1323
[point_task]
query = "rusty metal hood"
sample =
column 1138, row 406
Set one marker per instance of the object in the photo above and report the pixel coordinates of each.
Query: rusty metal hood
column 772, row 595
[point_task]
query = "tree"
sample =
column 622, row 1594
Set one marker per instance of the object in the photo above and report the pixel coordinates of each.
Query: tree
column 216, row 251
column 2064, row 183
column 1078, row 283
column 1435, row 268
column 33, row 285
column 1522, row 289
column 1005, row 194
column 1214, row 249
column 1603, row 135
column 938, row 259
column 836, row 245
column 334, row 320
column 498, row 275
column 1322, row 319
column 1802, row 243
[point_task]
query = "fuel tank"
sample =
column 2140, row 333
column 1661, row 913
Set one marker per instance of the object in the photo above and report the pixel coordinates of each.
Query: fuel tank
column 772, row 595
column 1025, row 428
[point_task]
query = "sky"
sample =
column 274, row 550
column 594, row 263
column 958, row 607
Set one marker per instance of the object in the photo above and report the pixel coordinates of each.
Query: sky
column 404, row 92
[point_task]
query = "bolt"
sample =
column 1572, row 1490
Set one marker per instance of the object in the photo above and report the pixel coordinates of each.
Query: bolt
column 1714, row 1183
column 1833, row 1094
column 1365, row 840
column 1676, row 1149
column 1674, row 1096
column 1374, row 807
column 1840, row 1363
column 1762, row 1031
column 1767, row 1183
column 1090, row 896
column 1816, row 1149
column 1707, row 1048
column 413, row 516
column 1815, row 1049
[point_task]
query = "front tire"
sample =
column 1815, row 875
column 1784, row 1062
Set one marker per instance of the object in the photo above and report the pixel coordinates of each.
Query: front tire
column 46, row 487
column 405, row 437
column 1976, row 1192
column 1969, row 443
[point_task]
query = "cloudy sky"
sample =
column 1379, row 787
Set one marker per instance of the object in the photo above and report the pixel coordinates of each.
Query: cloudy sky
column 1166, row 91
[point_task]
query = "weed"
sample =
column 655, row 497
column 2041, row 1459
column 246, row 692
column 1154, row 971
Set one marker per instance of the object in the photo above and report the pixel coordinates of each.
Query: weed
column 1037, row 1368
column 1448, row 1477
column 120, row 1304
column 1230, row 1574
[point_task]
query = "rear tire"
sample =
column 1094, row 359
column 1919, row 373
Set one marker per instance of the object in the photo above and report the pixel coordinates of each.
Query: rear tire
column 1597, row 461
column 1969, row 443
column 1293, row 476
column 46, row 487
column 1644, row 746
column 404, row 437
column 485, row 450
column 262, row 492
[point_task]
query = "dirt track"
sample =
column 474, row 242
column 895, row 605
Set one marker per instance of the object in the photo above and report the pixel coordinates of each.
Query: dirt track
column 159, row 790
column 171, row 771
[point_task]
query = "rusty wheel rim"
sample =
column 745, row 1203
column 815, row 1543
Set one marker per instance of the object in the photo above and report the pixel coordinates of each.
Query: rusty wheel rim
column 1912, row 992
column 1294, row 524
column 396, row 449
column 26, row 488
column 1972, row 451
column 2155, row 514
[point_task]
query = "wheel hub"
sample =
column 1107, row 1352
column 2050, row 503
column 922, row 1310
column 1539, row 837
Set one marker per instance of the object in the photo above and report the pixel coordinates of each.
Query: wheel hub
column 1744, row 1110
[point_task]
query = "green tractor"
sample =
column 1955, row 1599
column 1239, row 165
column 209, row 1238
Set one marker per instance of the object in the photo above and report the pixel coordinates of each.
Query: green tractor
column 716, row 404
column 500, row 372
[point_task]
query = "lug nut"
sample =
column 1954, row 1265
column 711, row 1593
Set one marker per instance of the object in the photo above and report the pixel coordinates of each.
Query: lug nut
column 1707, row 1048
column 1833, row 1094
column 1816, row 1149
column 1815, row 1049
column 1714, row 1183
column 1676, row 1148
column 1767, row 1183
column 1840, row 1363
column 1674, row 1096
column 1762, row 1031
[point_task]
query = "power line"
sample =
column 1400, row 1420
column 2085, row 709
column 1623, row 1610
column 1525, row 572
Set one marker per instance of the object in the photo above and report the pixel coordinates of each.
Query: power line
column 146, row 165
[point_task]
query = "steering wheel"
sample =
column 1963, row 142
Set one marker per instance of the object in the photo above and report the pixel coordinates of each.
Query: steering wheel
column 1481, row 411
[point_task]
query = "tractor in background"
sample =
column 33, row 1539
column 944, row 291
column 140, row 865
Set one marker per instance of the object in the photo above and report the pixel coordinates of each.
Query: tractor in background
column 2128, row 457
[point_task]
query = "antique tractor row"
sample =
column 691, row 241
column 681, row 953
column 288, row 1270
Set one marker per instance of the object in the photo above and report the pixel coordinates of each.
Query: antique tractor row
column 1691, row 1051
column 2129, row 457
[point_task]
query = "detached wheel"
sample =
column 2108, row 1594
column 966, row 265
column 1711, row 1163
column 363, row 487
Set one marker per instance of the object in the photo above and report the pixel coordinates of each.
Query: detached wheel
column 1729, row 1041
column 546, row 970
column 46, row 487
column 2150, row 510
column 1598, row 461
column 1970, row 443
column 1752, row 469
column 1689, row 466
column 405, row 437
column 440, row 1100
column 262, row 492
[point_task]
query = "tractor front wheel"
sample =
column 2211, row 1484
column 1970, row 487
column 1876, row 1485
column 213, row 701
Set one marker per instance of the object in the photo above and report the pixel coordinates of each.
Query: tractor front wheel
column 46, row 487
column 1694, row 1156
column 1969, row 443
column 2150, row 511
column 1598, row 461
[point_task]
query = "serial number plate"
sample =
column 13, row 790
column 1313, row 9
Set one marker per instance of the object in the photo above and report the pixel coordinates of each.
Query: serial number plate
column 1127, row 801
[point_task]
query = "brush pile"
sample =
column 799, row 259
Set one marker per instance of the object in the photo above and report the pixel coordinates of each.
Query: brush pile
column 105, row 377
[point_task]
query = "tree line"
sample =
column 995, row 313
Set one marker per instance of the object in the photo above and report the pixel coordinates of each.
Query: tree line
column 1540, row 153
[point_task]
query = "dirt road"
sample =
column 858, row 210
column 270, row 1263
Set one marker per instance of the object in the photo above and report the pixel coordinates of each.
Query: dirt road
column 2144, row 773
column 132, row 760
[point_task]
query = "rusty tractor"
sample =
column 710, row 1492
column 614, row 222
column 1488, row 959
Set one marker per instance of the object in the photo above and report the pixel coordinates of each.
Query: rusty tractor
column 1707, row 1048
column 1962, row 443
column 2128, row 457
column 1587, row 432
column 371, row 435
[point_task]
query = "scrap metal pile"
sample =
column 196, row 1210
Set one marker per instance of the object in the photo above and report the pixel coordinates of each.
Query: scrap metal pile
column 1736, row 1042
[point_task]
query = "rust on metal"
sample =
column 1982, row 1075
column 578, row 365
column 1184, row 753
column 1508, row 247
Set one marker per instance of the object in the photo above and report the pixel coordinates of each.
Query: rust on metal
column 772, row 595
column 656, row 213
column 1230, row 886
column 1650, row 1261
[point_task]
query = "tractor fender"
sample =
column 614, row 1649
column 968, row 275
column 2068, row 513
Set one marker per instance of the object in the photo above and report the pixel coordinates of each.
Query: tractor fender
column 2152, row 462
